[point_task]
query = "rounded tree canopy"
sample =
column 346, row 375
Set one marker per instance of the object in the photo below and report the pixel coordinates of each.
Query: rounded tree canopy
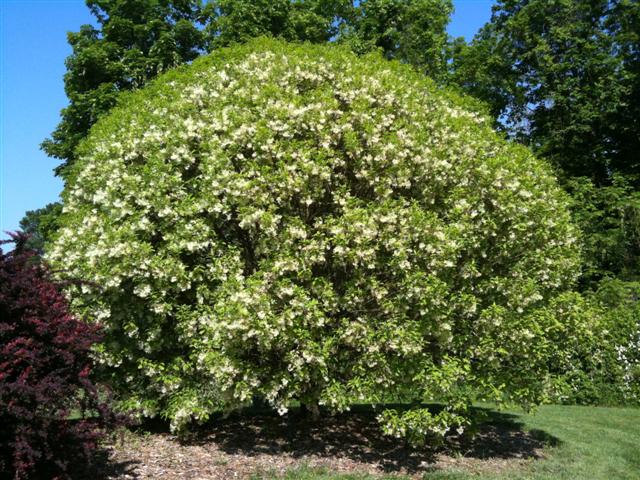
column 297, row 223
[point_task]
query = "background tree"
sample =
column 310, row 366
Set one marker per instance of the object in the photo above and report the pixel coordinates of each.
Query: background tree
column 411, row 31
column 236, row 21
column 563, row 77
column 39, row 226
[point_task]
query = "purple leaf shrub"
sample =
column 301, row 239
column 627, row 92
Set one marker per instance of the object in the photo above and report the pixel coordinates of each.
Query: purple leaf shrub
column 52, row 414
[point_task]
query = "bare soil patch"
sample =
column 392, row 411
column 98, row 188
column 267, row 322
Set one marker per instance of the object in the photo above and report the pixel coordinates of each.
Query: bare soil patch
column 243, row 445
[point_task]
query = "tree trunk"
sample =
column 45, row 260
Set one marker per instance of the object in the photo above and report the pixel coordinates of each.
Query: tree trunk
column 311, row 410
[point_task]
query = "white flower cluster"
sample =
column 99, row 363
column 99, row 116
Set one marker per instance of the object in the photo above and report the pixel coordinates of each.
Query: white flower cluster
column 629, row 359
column 297, row 223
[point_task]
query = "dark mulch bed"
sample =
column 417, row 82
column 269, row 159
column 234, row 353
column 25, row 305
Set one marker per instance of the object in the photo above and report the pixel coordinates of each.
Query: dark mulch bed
column 241, row 445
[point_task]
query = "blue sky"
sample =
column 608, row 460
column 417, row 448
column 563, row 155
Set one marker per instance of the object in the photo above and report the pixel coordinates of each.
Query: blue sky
column 33, row 47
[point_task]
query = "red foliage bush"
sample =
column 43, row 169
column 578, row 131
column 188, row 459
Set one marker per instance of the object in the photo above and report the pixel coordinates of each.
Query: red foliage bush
column 45, row 371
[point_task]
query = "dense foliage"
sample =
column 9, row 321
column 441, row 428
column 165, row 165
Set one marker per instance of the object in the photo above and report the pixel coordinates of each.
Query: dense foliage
column 40, row 225
column 411, row 31
column 609, row 217
column 567, row 80
column 237, row 21
column 45, row 375
column 594, row 343
column 296, row 223
column 564, row 77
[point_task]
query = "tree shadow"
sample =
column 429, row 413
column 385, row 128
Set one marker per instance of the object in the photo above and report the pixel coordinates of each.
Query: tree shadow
column 356, row 435
column 103, row 467
column 501, row 436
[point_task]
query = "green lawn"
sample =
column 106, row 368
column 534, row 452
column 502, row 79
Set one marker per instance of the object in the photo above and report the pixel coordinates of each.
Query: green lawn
column 587, row 443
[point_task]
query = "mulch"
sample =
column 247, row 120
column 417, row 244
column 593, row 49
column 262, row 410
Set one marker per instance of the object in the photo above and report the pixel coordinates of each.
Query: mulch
column 267, row 446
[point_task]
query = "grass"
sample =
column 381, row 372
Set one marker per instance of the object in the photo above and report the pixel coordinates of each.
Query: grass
column 584, row 443
column 595, row 443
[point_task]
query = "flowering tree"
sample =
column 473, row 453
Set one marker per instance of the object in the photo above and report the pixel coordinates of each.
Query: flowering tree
column 298, row 223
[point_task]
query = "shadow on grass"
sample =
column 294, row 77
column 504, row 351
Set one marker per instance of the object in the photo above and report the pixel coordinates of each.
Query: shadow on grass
column 356, row 436
column 502, row 436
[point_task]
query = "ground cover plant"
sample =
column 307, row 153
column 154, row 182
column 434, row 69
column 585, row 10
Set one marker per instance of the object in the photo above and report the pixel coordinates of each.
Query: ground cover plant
column 45, row 375
column 295, row 223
